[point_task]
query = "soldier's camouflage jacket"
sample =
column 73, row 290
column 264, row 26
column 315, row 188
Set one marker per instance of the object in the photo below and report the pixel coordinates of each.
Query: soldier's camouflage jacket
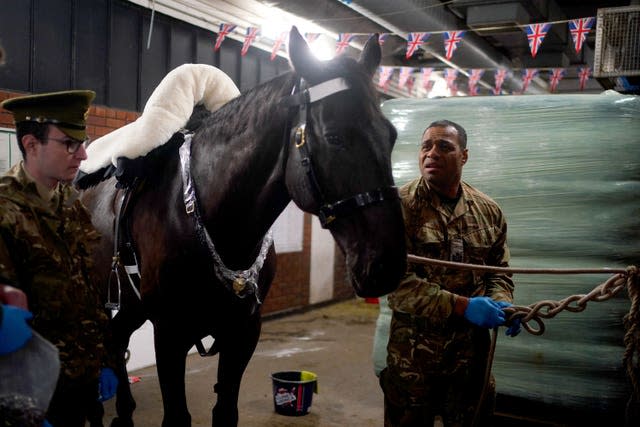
column 425, row 333
column 45, row 251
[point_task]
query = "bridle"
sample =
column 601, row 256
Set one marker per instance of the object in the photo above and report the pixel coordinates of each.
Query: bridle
column 302, row 97
column 244, row 283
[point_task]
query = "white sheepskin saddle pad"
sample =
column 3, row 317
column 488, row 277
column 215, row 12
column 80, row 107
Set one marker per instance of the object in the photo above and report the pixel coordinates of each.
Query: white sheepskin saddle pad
column 166, row 112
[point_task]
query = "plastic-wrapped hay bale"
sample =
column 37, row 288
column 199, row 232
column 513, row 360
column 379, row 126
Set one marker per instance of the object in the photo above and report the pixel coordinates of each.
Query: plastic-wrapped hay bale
column 566, row 171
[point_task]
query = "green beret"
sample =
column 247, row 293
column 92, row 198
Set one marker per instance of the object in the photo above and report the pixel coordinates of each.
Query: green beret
column 67, row 110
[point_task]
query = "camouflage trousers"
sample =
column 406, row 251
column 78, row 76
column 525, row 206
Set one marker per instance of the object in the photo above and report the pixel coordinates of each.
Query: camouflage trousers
column 435, row 370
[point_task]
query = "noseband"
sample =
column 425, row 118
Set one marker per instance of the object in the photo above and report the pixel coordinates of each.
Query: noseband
column 302, row 97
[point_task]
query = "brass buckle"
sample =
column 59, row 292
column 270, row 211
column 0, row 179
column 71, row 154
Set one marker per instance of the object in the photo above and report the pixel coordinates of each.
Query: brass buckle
column 299, row 136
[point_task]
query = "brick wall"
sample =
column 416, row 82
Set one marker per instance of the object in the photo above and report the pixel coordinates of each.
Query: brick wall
column 290, row 288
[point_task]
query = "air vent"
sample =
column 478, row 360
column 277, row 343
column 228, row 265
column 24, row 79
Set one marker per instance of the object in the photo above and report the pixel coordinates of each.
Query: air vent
column 617, row 54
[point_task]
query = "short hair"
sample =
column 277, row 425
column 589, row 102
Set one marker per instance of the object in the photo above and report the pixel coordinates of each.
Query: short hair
column 39, row 130
column 462, row 134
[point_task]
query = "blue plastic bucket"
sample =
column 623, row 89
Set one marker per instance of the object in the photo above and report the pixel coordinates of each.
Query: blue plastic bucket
column 293, row 391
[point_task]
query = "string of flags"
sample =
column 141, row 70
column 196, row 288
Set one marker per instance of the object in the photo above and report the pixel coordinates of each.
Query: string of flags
column 406, row 78
column 535, row 34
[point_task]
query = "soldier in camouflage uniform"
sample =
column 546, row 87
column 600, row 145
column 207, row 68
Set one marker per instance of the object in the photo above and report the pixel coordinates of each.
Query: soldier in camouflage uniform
column 46, row 241
column 439, row 338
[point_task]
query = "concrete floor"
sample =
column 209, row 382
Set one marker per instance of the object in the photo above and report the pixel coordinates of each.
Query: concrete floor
column 334, row 341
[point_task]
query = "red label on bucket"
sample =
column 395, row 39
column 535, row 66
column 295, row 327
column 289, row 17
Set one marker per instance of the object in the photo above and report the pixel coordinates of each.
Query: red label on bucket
column 285, row 398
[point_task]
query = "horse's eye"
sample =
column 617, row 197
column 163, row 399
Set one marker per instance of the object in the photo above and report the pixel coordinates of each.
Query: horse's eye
column 333, row 139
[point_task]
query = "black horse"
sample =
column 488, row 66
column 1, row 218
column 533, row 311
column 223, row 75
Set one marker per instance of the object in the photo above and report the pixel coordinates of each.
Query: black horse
column 316, row 136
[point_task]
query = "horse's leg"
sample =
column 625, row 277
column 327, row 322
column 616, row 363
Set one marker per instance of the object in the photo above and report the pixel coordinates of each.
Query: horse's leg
column 236, row 349
column 122, row 326
column 171, row 354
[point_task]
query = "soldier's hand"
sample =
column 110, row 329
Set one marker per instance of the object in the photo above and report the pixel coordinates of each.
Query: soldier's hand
column 14, row 330
column 514, row 326
column 484, row 312
column 108, row 384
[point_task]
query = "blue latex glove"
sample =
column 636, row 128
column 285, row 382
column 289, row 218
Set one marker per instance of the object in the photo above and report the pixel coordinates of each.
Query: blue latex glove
column 108, row 384
column 15, row 332
column 515, row 327
column 46, row 424
column 484, row 312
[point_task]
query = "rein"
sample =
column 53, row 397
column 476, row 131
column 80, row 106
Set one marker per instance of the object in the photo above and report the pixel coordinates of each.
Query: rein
column 302, row 97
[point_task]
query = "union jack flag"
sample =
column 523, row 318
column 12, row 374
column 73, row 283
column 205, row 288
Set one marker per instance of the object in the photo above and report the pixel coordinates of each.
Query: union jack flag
column 474, row 78
column 451, row 41
column 413, row 41
column 384, row 76
column 410, row 82
column 450, row 75
column 500, row 75
column 579, row 29
column 311, row 37
column 343, row 42
column 535, row 35
column 405, row 73
column 225, row 29
column 476, row 75
column 249, row 38
column 555, row 75
column 528, row 75
column 426, row 78
column 583, row 76
column 277, row 43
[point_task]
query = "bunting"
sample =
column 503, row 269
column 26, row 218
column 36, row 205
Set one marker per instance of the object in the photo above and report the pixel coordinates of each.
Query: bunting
column 249, row 38
column 555, row 75
column 579, row 29
column 410, row 82
column 385, row 76
column 528, row 75
column 474, row 78
column 451, row 41
column 499, row 77
column 224, row 30
column 535, row 35
column 311, row 37
column 583, row 76
column 405, row 73
column 277, row 43
column 343, row 42
column 450, row 75
column 427, row 83
column 414, row 40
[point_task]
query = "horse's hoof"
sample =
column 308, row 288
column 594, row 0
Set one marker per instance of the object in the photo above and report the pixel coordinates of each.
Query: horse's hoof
column 119, row 422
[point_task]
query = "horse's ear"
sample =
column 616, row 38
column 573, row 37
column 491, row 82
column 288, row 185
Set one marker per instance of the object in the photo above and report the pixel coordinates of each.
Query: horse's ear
column 300, row 56
column 371, row 55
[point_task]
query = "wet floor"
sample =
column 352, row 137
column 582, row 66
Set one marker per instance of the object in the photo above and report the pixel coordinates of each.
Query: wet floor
column 334, row 342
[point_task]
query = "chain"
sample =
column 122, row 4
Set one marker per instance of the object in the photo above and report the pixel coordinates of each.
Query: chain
column 628, row 278
column 546, row 309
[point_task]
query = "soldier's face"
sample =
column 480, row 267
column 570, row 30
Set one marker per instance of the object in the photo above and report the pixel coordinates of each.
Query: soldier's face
column 441, row 159
column 52, row 160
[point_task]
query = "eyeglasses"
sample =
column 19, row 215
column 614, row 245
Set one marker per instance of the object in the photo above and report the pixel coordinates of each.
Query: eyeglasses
column 73, row 145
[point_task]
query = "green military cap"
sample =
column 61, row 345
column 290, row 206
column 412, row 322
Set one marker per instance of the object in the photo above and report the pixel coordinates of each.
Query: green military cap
column 67, row 110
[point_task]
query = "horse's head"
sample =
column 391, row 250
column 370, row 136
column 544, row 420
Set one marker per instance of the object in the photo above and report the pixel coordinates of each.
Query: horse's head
column 339, row 163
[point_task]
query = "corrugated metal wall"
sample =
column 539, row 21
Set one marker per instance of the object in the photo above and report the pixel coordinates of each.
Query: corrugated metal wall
column 101, row 45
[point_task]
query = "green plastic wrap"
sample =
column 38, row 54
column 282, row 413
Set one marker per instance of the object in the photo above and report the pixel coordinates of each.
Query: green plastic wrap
column 566, row 171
